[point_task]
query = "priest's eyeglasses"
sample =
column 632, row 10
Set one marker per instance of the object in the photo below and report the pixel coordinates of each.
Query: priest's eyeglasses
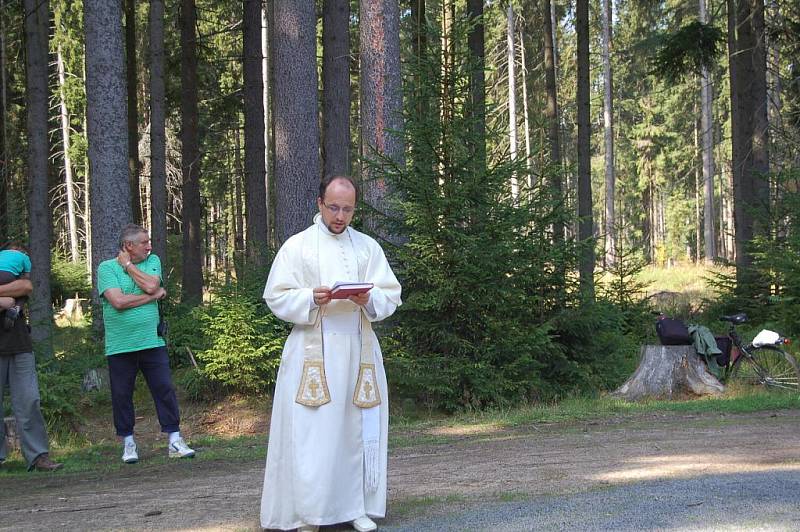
column 335, row 209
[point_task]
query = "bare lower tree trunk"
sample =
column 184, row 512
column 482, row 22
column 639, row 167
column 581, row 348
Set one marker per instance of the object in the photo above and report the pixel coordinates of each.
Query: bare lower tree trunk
column 158, row 139
column 551, row 112
column 134, row 166
column 192, row 288
column 512, row 98
column 381, row 103
column 477, row 92
column 37, row 103
column 707, row 129
column 336, row 87
column 72, row 226
column 525, row 116
column 255, row 170
column 608, row 137
column 585, row 221
column 5, row 182
column 297, row 166
column 106, row 119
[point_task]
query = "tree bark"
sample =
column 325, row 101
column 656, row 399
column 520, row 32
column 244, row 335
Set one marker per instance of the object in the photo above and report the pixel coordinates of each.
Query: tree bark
column 381, row 104
column 750, row 139
column 5, row 182
column 37, row 103
column 297, row 165
column 192, row 288
column 551, row 112
column 134, row 166
column 255, row 170
column 585, row 221
column 525, row 117
column 106, row 119
column 608, row 137
column 477, row 81
column 336, row 87
column 707, row 142
column 72, row 225
column 158, row 138
column 512, row 97
column 669, row 372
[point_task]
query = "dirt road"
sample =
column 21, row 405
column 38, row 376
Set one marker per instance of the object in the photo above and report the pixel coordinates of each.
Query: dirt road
column 470, row 469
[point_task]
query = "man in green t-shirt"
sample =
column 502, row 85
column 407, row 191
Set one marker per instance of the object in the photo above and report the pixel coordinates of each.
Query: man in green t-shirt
column 130, row 287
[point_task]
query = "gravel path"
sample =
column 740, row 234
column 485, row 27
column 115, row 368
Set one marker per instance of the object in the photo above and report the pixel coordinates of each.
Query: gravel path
column 660, row 471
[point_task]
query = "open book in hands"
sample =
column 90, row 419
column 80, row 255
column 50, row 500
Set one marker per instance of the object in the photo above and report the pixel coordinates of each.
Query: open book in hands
column 342, row 290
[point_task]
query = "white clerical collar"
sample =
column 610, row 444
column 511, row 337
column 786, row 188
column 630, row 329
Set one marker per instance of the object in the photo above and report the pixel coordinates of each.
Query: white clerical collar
column 324, row 228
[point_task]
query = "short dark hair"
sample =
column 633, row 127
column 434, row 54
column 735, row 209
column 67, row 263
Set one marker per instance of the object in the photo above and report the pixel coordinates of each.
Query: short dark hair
column 325, row 183
column 15, row 245
column 128, row 232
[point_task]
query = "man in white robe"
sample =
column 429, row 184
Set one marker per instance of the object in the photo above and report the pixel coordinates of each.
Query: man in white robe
column 327, row 452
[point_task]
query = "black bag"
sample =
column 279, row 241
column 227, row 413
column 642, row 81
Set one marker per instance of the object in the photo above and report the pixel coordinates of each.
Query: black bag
column 724, row 344
column 672, row 332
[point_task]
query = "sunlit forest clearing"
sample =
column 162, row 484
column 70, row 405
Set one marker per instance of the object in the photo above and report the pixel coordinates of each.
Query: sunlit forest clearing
column 542, row 176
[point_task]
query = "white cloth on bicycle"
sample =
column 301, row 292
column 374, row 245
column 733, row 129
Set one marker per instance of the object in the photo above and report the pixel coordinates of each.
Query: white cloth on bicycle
column 766, row 337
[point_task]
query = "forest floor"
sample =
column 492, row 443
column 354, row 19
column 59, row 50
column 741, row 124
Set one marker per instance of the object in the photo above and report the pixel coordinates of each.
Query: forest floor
column 449, row 473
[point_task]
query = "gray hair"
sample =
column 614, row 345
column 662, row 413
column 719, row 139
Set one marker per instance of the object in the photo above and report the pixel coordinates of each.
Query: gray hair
column 129, row 234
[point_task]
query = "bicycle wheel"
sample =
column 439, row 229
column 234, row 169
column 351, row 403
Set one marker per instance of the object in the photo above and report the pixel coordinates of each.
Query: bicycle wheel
column 769, row 366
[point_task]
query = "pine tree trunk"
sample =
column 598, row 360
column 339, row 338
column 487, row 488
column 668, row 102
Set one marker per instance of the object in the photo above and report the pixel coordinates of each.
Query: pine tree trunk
column 72, row 226
column 749, row 130
column 192, row 288
column 551, row 112
column 37, row 104
column 158, row 139
column 512, row 97
column 608, row 137
column 5, row 181
column 336, row 87
column 106, row 119
column 239, row 244
column 255, row 170
column 134, row 166
column 707, row 129
column 525, row 116
column 477, row 80
column 585, row 223
column 381, row 104
column 297, row 165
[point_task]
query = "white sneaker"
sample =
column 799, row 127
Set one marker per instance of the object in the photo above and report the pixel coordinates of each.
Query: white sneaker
column 129, row 454
column 364, row 524
column 179, row 449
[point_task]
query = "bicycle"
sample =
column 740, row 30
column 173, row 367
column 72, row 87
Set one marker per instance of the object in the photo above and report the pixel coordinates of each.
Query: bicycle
column 763, row 361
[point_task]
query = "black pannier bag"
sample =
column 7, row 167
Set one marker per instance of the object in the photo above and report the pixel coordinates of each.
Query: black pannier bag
column 724, row 344
column 672, row 332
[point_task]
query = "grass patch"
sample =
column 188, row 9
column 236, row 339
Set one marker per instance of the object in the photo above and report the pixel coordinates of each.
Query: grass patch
column 406, row 432
column 417, row 505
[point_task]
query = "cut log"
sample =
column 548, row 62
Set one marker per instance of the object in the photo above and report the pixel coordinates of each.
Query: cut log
column 669, row 372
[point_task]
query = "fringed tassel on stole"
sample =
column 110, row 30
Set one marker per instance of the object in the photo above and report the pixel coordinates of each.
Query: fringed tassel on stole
column 370, row 438
column 371, row 468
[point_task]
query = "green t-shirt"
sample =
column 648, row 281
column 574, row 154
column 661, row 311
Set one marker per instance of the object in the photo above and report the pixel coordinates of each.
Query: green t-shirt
column 131, row 329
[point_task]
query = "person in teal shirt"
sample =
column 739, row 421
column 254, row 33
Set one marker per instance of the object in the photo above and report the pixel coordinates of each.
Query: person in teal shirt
column 14, row 264
column 130, row 287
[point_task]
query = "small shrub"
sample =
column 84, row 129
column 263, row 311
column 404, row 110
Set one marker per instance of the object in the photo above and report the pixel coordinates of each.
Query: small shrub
column 67, row 279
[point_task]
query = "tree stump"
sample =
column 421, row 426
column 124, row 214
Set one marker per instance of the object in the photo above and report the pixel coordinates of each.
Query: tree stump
column 95, row 379
column 669, row 372
column 12, row 438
